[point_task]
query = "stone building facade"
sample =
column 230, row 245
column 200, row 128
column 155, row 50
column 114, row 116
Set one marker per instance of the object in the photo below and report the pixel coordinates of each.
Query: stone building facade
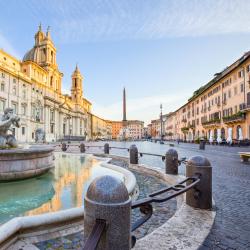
column 219, row 110
column 116, row 128
column 33, row 88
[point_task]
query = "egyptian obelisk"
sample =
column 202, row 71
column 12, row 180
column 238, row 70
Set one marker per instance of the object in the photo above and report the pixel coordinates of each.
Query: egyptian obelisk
column 124, row 106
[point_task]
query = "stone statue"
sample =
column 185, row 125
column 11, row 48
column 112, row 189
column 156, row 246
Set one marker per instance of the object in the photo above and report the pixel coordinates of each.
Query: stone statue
column 6, row 121
column 39, row 135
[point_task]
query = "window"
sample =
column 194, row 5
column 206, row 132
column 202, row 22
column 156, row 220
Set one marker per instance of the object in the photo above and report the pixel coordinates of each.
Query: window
column 52, row 116
column 240, row 74
column 23, row 130
column 23, row 109
column 3, row 75
column 242, row 88
column 248, row 68
column 24, row 94
column 235, row 90
column 229, row 93
column 33, row 112
column 225, row 96
column 14, row 80
column 14, row 90
column 52, row 128
column 2, row 105
column 2, row 86
column 14, row 106
column 52, row 56
column 51, row 81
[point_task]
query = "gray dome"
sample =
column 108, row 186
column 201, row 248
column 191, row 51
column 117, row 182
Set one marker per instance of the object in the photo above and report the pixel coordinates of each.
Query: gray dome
column 30, row 55
column 107, row 189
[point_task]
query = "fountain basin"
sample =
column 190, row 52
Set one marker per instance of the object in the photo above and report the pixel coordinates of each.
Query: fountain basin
column 22, row 163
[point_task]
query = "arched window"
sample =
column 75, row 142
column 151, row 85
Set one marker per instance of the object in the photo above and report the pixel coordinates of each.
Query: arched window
column 215, row 133
column 51, row 81
column 239, row 132
column 52, row 57
column 223, row 133
column 2, row 86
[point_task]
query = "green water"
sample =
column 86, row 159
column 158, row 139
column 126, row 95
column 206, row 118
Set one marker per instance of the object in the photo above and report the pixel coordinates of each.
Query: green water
column 62, row 188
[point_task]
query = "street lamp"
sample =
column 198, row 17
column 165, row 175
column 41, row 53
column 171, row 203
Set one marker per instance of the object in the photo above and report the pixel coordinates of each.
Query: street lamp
column 161, row 141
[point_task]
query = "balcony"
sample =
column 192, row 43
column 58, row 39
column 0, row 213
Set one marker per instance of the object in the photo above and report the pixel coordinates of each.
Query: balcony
column 184, row 120
column 211, row 123
column 238, row 117
column 191, row 126
column 184, row 129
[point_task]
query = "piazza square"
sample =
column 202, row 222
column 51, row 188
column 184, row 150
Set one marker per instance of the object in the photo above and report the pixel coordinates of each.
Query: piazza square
column 124, row 125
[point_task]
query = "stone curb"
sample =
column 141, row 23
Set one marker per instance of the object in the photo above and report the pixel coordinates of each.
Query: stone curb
column 14, row 229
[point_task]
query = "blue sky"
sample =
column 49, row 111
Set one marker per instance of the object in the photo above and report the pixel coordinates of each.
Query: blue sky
column 161, row 50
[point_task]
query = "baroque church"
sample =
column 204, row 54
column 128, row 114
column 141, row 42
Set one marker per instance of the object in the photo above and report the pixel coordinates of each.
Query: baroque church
column 33, row 88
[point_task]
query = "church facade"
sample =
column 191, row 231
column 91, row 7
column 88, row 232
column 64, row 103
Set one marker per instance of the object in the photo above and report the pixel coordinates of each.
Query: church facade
column 33, row 88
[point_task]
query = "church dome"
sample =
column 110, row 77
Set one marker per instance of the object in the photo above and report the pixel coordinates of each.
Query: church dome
column 30, row 55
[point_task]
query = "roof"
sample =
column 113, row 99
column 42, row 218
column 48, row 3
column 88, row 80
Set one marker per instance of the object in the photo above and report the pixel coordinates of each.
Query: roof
column 220, row 75
column 30, row 55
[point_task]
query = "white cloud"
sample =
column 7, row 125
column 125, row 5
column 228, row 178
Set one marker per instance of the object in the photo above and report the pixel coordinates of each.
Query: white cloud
column 80, row 21
column 144, row 108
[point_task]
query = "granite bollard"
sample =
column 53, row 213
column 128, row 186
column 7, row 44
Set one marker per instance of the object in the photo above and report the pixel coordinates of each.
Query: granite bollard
column 202, row 144
column 201, row 195
column 106, row 148
column 107, row 199
column 82, row 148
column 171, row 162
column 64, row 147
column 133, row 154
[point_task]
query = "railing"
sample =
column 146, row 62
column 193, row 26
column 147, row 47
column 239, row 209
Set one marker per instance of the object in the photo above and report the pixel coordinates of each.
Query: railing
column 145, row 204
column 240, row 116
column 171, row 157
column 95, row 235
column 117, row 215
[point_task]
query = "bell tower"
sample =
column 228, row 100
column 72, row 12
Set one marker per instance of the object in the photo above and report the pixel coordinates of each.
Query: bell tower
column 76, row 89
column 39, row 36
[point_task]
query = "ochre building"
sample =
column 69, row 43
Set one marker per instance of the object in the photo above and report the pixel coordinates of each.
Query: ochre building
column 219, row 110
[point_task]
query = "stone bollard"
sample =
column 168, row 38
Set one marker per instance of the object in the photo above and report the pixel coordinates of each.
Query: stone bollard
column 133, row 154
column 82, row 148
column 64, row 147
column 201, row 195
column 171, row 162
column 107, row 199
column 106, row 148
column 202, row 144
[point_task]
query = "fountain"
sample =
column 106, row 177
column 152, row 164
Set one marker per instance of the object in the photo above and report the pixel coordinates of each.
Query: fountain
column 18, row 162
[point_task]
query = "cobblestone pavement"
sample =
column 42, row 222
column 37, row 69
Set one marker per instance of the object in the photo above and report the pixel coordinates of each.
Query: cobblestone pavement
column 231, row 189
column 147, row 185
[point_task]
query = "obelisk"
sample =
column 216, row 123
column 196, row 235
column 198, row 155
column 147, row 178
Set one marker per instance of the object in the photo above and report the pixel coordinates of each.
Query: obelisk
column 124, row 119
column 124, row 106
